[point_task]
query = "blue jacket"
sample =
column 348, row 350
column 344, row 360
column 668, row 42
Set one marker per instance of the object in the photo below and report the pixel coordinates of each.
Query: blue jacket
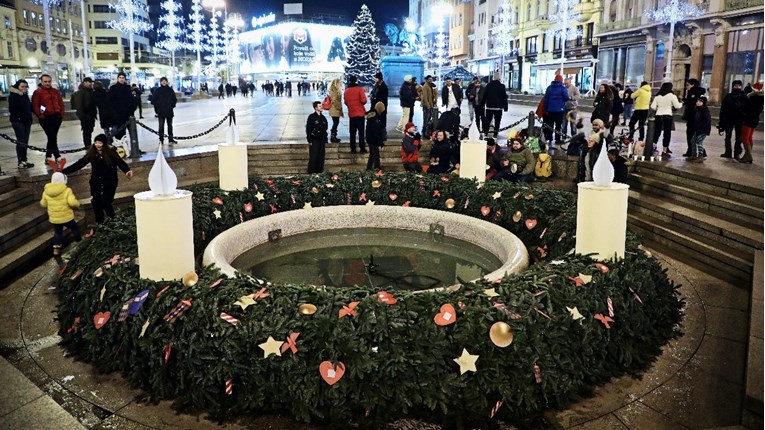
column 556, row 97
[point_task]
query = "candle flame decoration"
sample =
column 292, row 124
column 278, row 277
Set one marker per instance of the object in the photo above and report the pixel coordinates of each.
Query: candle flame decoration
column 162, row 179
column 603, row 172
column 473, row 134
column 232, row 135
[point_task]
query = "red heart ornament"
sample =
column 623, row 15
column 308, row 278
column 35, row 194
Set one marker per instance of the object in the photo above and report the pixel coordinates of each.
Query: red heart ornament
column 531, row 223
column 218, row 201
column 447, row 315
column 101, row 318
column 386, row 297
column 248, row 207
column 603, row 268
column 485, row 210
column 331, row 373
column 392, row 196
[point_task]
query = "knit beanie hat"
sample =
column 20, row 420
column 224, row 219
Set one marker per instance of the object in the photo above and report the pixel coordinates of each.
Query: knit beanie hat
column 757, row 86
column 559, row 78
column 408, row 126
column 58, row 178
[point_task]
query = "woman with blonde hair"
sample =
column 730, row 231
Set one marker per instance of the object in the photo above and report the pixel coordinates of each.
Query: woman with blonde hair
column 336, row 110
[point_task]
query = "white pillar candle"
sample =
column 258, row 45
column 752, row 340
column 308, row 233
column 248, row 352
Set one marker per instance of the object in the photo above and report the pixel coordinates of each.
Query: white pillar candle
column 165, row 235
column 232, row 167
column 601, row 220
column 473, row 160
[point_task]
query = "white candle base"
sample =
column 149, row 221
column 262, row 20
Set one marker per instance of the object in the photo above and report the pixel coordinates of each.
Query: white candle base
column 232, row 167
column 601, row 220
column 165, row 229
column 473, row 160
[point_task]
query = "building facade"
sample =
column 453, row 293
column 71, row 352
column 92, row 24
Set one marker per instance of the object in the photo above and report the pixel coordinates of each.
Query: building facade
column 10, row 70
column 724, row 44
column 460, row 23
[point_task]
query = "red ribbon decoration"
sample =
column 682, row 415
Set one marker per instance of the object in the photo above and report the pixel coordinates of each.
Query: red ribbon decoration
column 290, row 343
column 604, row 319
column 348, row 310
column 262, row 294
column 168, row 350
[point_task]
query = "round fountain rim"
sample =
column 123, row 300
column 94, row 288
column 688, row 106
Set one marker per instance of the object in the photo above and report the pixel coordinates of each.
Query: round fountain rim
column 231, row 243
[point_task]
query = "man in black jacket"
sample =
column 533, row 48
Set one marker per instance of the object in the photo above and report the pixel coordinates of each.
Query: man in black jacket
column 693, row 92
column 380, row 94
column 164, row 101
column 493, row 103
column 316, row 134
column 731, row 117
column 449, row 121
column 122, row 104
column 82, row 102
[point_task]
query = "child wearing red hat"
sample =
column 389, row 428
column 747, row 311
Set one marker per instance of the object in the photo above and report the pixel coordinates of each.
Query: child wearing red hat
column 410, row 148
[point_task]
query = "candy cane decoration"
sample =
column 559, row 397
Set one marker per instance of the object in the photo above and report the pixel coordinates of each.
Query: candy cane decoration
column 537, row 374
column 229, row 387
column 610, row 307
column 495, row 409
column 229, row 319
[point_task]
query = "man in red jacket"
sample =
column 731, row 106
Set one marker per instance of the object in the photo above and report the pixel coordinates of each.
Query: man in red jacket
column 355, row 99
column 48, row 105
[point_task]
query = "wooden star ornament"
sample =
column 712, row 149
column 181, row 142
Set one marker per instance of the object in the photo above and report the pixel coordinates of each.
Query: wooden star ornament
column 466, row 362
column 271, row 346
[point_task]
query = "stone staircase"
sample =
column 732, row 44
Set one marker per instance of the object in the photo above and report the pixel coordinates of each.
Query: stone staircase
column 292, row 158
column 26, row 236
column 713, row 225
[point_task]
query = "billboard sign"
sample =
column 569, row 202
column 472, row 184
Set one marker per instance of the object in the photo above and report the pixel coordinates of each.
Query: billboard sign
column 295, row 46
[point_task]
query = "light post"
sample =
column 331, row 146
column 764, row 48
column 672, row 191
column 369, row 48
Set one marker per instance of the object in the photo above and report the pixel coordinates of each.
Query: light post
column 441, row 11
column 49, row 65
column 84, row 31
column 235, row 22
column 214, row 6
column 672, row 13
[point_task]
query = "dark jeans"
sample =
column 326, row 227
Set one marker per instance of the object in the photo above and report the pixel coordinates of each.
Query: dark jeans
column 496, row 114
column 374, row 157
column 689, row 132
column 427, row 116
column 728, row 133
column 506, row 175
column 411, row 114
column 22, row 136
column 87, row 124
column 638, row 117
column 357, row 125
column 162, row 120
column 58, row 232
column 335, row 123
column 50, row 126
column 553, row 119
column 102, row 203
column 479, row 119
column 316, row 151
column 663, row 122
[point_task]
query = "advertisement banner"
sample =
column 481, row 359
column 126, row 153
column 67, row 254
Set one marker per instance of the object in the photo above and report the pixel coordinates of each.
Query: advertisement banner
column 295, row 47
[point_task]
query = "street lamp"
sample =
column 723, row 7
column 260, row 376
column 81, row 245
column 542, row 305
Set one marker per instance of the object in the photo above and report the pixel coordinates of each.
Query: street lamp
column 440, row 11
column 235, row 22
column 672, row 13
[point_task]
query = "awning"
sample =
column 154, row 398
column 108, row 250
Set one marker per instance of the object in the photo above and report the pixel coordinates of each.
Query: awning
column 568, row 66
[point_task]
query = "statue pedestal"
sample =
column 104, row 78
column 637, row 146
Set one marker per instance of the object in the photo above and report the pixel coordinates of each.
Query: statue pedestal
column 473, row 160
column 601, row 220
column 165, row 231
column 232, row 167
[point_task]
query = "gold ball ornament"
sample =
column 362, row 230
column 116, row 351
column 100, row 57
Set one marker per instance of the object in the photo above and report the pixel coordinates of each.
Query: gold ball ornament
column 190, row 279
column 501, row 334
column 307, row 309
column 450, row 203
column 517, row 216
column 376, row 184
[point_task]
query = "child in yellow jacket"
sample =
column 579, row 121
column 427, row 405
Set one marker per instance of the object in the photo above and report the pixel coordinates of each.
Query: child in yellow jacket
column 60, row 202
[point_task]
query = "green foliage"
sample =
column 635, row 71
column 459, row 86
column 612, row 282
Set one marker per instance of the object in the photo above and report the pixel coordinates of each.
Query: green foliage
column 398, row 361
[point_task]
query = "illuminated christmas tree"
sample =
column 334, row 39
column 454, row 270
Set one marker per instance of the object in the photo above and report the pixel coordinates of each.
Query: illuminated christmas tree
column 171, row 29
column 196, row 19
column 671, row 13
column 130, row 22
column 363, row 49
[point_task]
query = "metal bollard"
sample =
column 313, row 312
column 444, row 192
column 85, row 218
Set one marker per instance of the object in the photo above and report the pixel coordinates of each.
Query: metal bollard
column 648, row 143
column 135, row 150
column 532, row 118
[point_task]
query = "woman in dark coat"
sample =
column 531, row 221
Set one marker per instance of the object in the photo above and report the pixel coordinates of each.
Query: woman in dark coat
column 752, row 111
column 103, row 179
column 603, row 104
column 20, row 110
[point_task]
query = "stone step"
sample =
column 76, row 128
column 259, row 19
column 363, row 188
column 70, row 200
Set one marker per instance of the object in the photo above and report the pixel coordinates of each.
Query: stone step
column 33, row 251
column 7, row 183
column 732, row 191
column 709, row 259
column 740, row 213
column 21, row 225
column 14, row 199
column 698, row 224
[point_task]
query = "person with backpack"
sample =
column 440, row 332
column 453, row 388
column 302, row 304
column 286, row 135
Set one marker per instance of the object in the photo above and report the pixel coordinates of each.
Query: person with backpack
column 731, row 117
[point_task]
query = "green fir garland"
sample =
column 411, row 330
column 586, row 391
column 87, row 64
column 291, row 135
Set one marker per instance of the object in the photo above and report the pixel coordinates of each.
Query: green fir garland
column 398, row 362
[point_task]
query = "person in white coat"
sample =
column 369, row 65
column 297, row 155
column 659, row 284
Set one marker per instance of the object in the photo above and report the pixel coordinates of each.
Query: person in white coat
column 663, row 104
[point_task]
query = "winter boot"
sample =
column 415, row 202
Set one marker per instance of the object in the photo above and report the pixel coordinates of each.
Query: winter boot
column 747, row 157
column 333, row 138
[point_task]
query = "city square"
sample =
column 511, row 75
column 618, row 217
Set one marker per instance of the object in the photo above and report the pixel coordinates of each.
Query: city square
column 236, row 256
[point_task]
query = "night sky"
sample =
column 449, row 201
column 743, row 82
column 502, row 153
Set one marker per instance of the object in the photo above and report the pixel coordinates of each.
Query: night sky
column 383, row 11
